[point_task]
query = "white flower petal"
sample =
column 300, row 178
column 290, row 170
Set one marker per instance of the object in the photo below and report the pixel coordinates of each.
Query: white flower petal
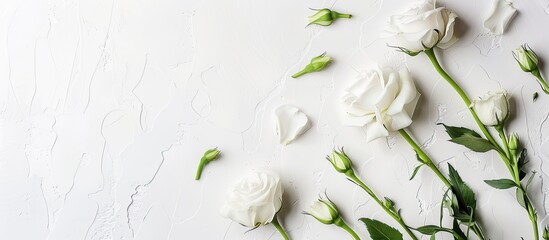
column 374, row 131
column 500, row 15
column 290, row 123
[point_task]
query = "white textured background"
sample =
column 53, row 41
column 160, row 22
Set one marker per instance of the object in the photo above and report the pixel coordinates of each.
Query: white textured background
column 107, row 105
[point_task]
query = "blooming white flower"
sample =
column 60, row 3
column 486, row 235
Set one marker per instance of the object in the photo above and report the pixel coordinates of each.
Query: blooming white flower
column 324, row 210
column 493, row 108
column 254, row 200
column 381, row 100
column 423, row 26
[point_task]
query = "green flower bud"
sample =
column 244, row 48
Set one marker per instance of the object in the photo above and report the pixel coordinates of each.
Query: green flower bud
column 325, row 17
column 545, row 234
column 317, row 64
column 341, row 162
column 526, row 58
column 514, row 142
column 209, row 155
column 323, row 210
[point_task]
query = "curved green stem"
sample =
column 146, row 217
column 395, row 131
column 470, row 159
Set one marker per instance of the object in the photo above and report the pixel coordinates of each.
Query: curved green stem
column 279, row 228
column 510, row 161
column 515, row 172
column 431, row 54
column 427, row 160
column 395, row 215
column 501, row 131
column 541, row 81
column 199, row 169
column 423, row 156
column 340, row 223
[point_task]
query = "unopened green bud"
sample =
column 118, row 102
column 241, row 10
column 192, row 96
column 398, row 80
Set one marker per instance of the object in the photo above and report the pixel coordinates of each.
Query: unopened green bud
column 326, row 17
column 341, row 162
column 545, row 234
column 209, row 155
column 526, row 58
column 323, row 210
column 317, row 64
column 514, row 142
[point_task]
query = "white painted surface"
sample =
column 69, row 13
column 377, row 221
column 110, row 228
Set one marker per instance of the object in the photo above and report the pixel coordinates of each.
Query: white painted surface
column 107, row 105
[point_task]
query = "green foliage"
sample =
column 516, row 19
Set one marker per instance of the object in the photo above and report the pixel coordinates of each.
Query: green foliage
column 381, row 231
column 501, row 183
column 468, row 138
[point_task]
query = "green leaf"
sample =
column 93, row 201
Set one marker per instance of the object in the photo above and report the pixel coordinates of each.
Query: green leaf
column 429, row 229
column 477, row 144
column 529, row 181
column 464, row 194
column 415, row 171
column 457, row 230
column 468, row 138
column 455, row 132
column 521, row 162
column 501, row 183
column 381, row 231
column 520, row 197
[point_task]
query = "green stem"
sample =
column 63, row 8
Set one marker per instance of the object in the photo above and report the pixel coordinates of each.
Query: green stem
column 513, row 169
column 515, row 172
column 541, row 81
column 340, row 223
column 199, row 169
column 279, row 228
column 501, row 131
column 423, row 156
column 300, row 73
column 336, row 15
column 431, row 54
column 427, row 160
column 396, row 216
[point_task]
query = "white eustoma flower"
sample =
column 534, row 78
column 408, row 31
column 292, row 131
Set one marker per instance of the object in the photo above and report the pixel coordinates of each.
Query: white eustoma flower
column 254, row 200
column 493, row 108
column 423, row 26
column 381, row 100
column 325, row 211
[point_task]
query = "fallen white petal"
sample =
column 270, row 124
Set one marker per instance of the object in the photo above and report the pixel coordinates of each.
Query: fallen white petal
column 290, row 123
column 500, row 15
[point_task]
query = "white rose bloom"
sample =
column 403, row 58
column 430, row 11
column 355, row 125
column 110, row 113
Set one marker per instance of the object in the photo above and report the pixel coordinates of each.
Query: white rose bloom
column 254, row 200
column 381, row 100
column 493, row 108
column 423, row 26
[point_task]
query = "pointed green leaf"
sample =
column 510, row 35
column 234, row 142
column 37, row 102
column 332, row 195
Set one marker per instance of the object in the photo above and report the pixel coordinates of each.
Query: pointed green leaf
column 529, row 181
column 381, row 231
column 415, row 171
column 501, row 183
column 464, row 194
column 474, row 143
column 455, row 132
column 468, row 138
column 430, row 229
column 520, row 197
column 457, row 230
